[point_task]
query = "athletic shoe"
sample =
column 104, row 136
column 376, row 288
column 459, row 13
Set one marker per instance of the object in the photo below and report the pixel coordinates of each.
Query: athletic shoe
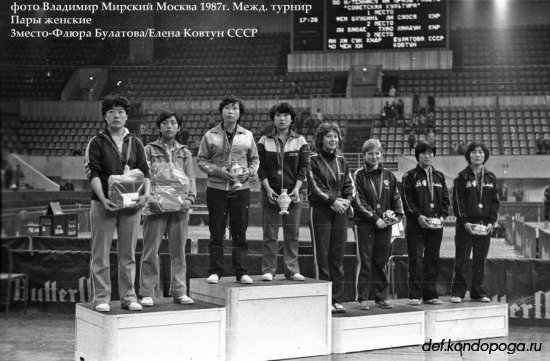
column 245, row 279
column 102, row 307
column 338, row 308
column 183, row 300
column 213, row 279
column 384, row 304
column 147, row 301
column 364, row 305
column 434, row 301
column 132, row 306
column 483, row 299
column 456, row 299
column 415, row 302
column 297, row 277
column 267, row 277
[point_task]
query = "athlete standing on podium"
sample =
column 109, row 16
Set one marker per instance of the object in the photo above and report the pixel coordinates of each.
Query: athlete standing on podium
column 475, row 204
column 330, row 192
column 223, row 147
column 426, row 203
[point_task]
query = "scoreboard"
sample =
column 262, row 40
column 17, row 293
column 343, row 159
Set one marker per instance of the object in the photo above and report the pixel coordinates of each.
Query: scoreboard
column 347, row 25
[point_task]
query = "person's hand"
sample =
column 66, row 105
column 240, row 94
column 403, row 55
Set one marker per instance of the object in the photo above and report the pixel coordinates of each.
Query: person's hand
column 468, row 228
column 186, row 206
column 154, row 206
column 489, row 228
column 244, row 176
column 271, row 195
column 380, row 223
column 346, row 202
column 295, row 195
column 226, row 174
column 141, row 201
column 109, row 206
column 423, row 221
column 339, row 207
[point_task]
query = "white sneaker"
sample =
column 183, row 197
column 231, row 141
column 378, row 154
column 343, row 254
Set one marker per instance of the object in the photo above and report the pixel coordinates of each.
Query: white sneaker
column 298, row 277
column 415, row 302
column 455, row 299
column 213, row 278
column 245, row 279
column 102, row 307
column 267, row 277
column 147, row 301
column 183, row 300
column 133, row 306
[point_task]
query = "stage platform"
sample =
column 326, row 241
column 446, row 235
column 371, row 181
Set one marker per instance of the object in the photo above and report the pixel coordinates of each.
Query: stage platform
column 271, row 320
column 469, row 320
column 167, row 330
column 377, row 328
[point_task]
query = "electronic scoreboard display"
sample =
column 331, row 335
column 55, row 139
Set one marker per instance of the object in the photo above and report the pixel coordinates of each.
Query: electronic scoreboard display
column 371, row 24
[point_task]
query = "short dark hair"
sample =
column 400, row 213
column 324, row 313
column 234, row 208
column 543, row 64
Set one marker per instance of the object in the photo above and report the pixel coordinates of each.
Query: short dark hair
column 423, row 146
column 114, row 100
column 474, row 145
column 231, row 99
column 322, row 130
column 282, row 108
column 167, row 114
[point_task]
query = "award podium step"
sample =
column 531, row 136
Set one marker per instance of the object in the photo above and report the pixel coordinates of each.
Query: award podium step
column 271, row 320
column 165, row 331
column 469, row 320
column 377, row 328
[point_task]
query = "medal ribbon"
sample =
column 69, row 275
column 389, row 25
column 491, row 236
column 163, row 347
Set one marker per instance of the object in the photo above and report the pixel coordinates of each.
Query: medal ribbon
column 481, row 185
column 280, row 157
column 429, row 176
column 379, row 194
column 337, row 179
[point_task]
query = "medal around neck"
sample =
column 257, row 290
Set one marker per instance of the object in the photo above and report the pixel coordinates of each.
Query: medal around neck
column 236, row 170
column 283, row 200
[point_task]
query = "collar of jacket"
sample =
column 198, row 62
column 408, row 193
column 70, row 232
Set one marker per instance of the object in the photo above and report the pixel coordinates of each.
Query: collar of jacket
column 159, row 143
column 291, row 134
column 419, row 168
column 470, row 172
column 218, row 129
column 105, row 132
column 379, row 169
column 328, row 155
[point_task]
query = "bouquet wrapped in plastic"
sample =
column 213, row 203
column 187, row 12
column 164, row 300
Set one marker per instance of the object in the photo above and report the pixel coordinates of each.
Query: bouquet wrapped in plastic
column 125, row 188
column 169, row 188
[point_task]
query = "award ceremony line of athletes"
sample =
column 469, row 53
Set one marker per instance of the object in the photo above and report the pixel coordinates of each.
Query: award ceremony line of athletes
column 157, row 181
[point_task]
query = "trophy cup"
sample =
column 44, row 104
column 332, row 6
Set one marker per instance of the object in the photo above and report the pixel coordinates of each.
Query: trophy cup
column 434, row 223
column 480, row 230
column 283, row 200
column 389, row 216
column 236, row 170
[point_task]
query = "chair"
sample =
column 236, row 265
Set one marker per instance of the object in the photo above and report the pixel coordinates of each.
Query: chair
column 19, row 280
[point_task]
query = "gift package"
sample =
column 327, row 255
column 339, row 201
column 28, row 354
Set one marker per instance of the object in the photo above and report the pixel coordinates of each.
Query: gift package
column 124, row 189
column 169, row 188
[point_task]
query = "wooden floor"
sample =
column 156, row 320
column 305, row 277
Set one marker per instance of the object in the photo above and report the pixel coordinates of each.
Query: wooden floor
column 40, row 336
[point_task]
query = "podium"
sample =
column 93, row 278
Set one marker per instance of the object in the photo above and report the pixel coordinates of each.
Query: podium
column 166, row 331
column 271, row 320
column 362, row 330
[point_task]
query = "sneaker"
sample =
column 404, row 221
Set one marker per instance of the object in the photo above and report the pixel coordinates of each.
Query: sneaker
column 384, row 304
column 338, row 308
column 102, row 307
column 245, row 279
column 415, row 302
column 483, row 299
column 267, row 277
column 434, row 301
column 183, row 300
column 332, row 309
column 133, row 306
column 147, row 301
column 297, row 277
column 456, row 299
column 364, row 305
column 213, row 279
